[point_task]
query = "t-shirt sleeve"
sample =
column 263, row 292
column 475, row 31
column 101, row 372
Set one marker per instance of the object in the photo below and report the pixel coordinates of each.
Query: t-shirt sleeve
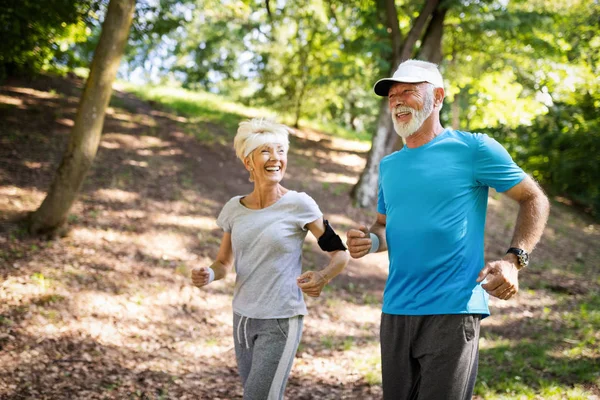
column 308, row 211
column 224, row 218
column 380, row 197
column 494, row 167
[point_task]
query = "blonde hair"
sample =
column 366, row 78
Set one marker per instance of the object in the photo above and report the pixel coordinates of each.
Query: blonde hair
column 256, row 132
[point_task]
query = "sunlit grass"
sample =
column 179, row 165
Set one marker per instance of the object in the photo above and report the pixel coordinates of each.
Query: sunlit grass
column 203, row 107
column 369, row 366
column 558, row 360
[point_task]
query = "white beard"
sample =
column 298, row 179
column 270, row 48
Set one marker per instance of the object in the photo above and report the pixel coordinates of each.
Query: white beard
column 417, row 119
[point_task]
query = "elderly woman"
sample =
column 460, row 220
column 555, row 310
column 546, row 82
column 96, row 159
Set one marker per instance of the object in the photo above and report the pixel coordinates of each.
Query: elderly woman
column 263, row 236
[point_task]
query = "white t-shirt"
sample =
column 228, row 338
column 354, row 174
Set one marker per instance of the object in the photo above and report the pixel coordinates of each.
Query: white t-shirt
column 267, row 248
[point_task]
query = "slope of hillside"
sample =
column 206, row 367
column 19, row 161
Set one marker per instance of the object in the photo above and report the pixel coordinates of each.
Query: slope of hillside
column 109, row 312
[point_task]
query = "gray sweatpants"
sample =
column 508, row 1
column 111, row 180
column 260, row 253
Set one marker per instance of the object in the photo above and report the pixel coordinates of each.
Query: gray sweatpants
column 429, row 357
column 265, row 350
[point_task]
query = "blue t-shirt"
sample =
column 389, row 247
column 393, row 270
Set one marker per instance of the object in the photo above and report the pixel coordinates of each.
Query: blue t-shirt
column 435, row 201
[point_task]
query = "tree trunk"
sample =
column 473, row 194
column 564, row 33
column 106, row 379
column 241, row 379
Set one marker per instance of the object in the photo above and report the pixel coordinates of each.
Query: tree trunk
column 365, row 191
column 431, row 49
column 385, row 139
column 417, row 30
column 85, row 136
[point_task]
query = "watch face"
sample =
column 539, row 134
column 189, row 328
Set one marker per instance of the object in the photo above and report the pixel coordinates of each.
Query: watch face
column 523, row 259
column 522, row 256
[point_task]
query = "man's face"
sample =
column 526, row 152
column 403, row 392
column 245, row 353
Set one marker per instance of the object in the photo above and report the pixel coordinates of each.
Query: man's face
column 410, row 104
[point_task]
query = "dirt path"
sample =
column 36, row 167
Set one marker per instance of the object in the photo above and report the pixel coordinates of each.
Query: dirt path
column 108, row 312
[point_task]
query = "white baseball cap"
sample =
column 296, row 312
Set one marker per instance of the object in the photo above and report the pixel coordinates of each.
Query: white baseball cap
column 410, row 71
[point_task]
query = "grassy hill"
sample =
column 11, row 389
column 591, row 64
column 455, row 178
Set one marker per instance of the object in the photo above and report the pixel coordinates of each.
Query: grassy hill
column 109, row 312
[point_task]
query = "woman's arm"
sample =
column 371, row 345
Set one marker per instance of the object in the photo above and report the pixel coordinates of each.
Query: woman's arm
column 201, row 275
column 312, row 282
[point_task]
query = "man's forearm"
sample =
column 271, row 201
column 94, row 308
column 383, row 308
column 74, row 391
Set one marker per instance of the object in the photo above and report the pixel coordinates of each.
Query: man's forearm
column 531, row 220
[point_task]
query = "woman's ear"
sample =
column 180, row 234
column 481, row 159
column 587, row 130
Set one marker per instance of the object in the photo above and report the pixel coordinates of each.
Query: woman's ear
column 248, row 164
column 249, row 167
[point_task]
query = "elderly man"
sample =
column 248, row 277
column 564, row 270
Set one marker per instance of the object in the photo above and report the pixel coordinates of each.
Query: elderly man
column 431, row 213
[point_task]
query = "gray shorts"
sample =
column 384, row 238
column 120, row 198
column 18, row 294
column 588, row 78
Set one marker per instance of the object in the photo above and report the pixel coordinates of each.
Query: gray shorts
column 429, row 357
column 265, row 350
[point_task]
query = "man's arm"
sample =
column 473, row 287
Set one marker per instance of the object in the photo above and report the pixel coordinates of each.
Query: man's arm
column 534, row 208
column 502, row 276
column 359, row 240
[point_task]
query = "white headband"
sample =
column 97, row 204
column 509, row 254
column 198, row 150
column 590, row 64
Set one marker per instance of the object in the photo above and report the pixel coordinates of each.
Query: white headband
column 258, row 139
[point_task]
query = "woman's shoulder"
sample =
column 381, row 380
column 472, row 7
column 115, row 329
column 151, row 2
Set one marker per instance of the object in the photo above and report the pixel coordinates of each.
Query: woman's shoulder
column 302, row 200
column 232, row 203
column 299, row 197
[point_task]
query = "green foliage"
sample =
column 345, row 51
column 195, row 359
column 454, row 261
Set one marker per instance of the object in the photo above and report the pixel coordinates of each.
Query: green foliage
column 562, row 149
column 37, row 35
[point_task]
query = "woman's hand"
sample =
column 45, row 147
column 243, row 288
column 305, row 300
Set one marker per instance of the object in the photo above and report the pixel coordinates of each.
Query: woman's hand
column 312, row 282
column 201, row 276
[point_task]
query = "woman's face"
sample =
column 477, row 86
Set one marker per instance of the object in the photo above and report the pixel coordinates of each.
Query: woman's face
column 267, row 163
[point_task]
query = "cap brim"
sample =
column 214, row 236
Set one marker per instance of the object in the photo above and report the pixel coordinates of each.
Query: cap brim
column 382, row 86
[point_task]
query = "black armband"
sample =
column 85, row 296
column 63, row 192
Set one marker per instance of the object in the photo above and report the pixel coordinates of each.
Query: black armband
column 330, row 241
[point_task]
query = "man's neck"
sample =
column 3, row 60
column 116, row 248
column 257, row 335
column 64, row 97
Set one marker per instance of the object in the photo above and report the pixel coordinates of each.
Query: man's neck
column 425, row 134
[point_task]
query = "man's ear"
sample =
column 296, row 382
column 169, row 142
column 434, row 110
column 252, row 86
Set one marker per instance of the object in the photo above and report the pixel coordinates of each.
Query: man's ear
column 438, row 96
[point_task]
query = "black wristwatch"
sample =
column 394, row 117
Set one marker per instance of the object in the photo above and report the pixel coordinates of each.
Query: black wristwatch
column 522, row 256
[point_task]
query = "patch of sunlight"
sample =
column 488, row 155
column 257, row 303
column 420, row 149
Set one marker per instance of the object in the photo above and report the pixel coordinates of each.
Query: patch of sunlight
column 32, row 92
column 18, row 288
column 170, row 152
column 308, row 134
column 144, row 152
column 104, row 304
column 346, row 324
column 348, row 160
column 487, row 343
column 165, row 245
column 116, row 195
column 578, row 392
column 334, row 178
column 10, row 100
column 34, row 165
column 367, row 363
column 118, row 115
column 360, row 314
column 17, row 191
column 142, row 164
column 110, row 145
column 131, row 141
column 105, row 332
column 66, row 122
column 321, row 366
column 204, row 223
column 95, row 236
column 525, row 299
column 206, row 347
column 352, row 145
column 341, row 220
column 580, row 349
